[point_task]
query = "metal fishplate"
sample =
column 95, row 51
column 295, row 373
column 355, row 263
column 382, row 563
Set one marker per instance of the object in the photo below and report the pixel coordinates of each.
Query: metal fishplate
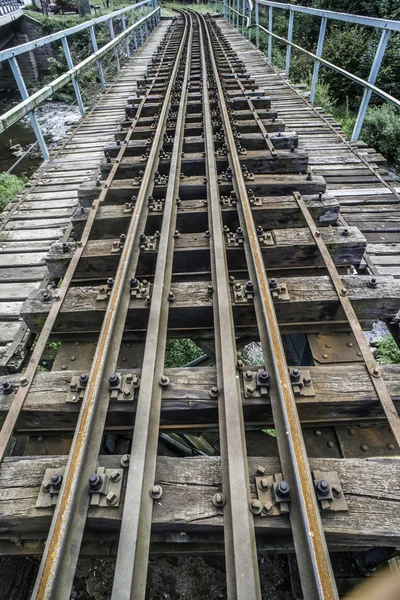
column 243, row 292
column 122, row 387
column 329, row 492
column 273, row 494
column 141, row 290
column 50, row 487
column 278, row 290
column 301, row 382
column 256, row 384
column 105, row 487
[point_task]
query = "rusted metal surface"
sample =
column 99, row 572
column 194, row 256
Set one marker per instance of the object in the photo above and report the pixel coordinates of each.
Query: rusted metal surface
column 311, row 549
column 369, row 359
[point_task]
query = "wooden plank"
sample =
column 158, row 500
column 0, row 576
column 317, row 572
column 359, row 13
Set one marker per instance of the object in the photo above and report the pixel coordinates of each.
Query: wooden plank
column 189, row 486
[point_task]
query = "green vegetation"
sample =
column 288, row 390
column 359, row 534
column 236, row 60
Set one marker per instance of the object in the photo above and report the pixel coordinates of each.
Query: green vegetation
column 388, row 351
column 180, row 352
column 168, row 8
column 353, row 48
column 10, row 187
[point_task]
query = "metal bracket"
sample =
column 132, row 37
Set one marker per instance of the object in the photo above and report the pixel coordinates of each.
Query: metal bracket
column 253, row 199
column 156, row 205
column 233, row 239
column 302, row 384
column 278, row 290
column 142, row 291
column 123, row 388
column 104, row 292
column 273, row 493
column 256, row 384
column 77, row 388
column 329, row 491
column 241, row 293
column 149, row 242
column 266, row 239
column 50, row 488
column 108, row 493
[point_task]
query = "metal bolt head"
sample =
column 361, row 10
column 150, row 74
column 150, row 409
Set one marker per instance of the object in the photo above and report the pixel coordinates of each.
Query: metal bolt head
column 164, row 380
column 113, row 380
column 364, row 447
column 115, row 476
column 273, row 284
column 295, row 376
column 83, row 379
column 336, row 490
column 248, row 375
column 56, row 480
column 283, row 489
column 260, row 470
column 373, row 282
column 219, row 500
column 256, row 507
column 263, row 376
column 95, row 481
column 214, row 392
column 111, row 498
column 23, row 381
column 156, row 492
column 125, row 460
column 268, row 507
column 46, row 487
column 263, row 484
column 249, row 286
column 7, row 388
column 323, row 487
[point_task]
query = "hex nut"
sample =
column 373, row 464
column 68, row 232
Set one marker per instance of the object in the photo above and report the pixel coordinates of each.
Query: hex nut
column 111, row 498
column 219, row 500
column 125, row 459
column 156, row 492
column 256, row 507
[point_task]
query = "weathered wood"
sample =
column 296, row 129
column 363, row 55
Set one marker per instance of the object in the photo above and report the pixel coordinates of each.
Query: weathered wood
column 292, row 248
column 189, row 485
column 341, row 394
column 311, row 299
column 192, row 188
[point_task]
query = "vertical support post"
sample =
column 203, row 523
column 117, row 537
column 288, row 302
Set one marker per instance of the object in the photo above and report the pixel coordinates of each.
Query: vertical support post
column 75, row 84
column 32, row 116
column 237, row 15
column 141, row 26
column 243, row 13
column 320, row 45
column 95, row 49
column 146, row 27
column 134, row 33
column 257, row 29
column 270, row 36
column 249, row 30
column 289, row 37
column 128, row 52
column 112, row 36
column 372, row 78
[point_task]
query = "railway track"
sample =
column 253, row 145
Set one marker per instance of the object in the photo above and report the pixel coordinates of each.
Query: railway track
column 205, row 223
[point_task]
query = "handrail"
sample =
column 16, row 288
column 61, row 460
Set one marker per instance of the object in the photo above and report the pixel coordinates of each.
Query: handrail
column 30, row 102
column 8, row 6
column 58, row 35
column 387, row 26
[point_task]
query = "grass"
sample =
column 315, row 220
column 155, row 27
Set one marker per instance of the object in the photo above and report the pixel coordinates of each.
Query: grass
column 168, row 8
column 388, row 351
column 10, row 187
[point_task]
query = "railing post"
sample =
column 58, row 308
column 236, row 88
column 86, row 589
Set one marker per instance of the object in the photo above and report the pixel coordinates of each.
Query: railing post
column 289, row 47
column 321, row 37
column 243, row 13
column 95, row 48
column 141, row 26
column 32, row 116
column 146, row 27
column 128, row 52
column 75, row 84
column 249, row 30
column 257, row 29
column 270, row 36
column 372, row 78
column 112, row 36
column 134, row 33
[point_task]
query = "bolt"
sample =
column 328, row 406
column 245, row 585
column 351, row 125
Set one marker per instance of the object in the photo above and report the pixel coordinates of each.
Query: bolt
column 261, row 470
column 260, row 230
column 7, row 388
column 273, row 284
column 23, row 381
column 345, row 232
column 263, row 484
column 115, row 476
column 295, row 376
column 56, row 480
column 95, row 481
column 46, row 487
column 263, row 376
column 376, row 372
column 283, row 489
column 111, row 498
column 46, row 297
column 214, row 392
column 336, row 490
column 113, row 380
column 351, row 431
column 218, row 500
column 343, row 292
column 390, row 446
column 256, row 507
column 65, row 247
column 134, row 283
column 249, row 287
column 110, row 282
column 122, row 239
column 317, row 433
column 164, row 380
column 83, row 379
column 373, row 282
column 323, row 487
column 364, row 447
column 268, row 507
column 125, row 460
column 171, row 296
column 325, row 356
column 330, row 444
column 156, row 492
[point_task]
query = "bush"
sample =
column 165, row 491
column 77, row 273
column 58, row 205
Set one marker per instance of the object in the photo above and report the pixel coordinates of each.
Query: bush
column 180, row 352
column 388, row 351
column 381, row 130
column 10, row 186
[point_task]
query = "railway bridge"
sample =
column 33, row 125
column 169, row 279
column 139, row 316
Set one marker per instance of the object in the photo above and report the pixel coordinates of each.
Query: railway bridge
column 202, row 197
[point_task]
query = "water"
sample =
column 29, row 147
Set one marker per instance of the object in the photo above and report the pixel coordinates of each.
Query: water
column 55, row 119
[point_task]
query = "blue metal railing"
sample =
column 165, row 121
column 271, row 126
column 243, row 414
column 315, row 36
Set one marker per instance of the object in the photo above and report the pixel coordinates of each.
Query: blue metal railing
column 231, row 10
column 138, row 18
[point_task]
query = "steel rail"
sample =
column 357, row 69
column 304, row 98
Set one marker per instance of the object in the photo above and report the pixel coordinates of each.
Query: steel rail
column 134, row 543
column 240, row 547
column 250, row 104
column 369, row 359
column 315, row 568
column 22, row 392
column 61, row 553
